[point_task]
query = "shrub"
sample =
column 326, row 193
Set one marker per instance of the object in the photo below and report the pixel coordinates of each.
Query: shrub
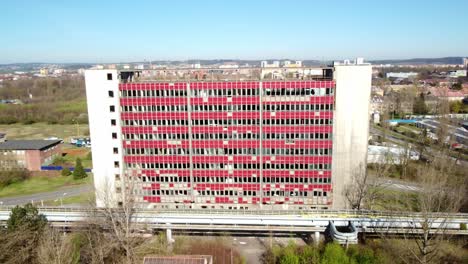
column 10, row 177
column 334, row 254
column 309, row 254
column 79, row 172
column 28, row 121
column 463, row 226
column 66, row 171
column 58, row 160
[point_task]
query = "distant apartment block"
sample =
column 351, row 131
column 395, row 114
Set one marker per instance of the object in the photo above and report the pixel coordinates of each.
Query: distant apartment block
column 402, row 75
column 231, row 144
column 28, row 154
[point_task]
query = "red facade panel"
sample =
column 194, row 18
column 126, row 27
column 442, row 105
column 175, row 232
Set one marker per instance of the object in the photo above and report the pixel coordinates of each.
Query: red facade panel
column 235, row 100
column 225, row 143
column 303, row 144
column 155, row 116
column 225, row 129
column 209, row 135
column 155, row 129
column 225, row 115
column 298, row 129
column 153, row 86
column 296, row 115
column 153, row 101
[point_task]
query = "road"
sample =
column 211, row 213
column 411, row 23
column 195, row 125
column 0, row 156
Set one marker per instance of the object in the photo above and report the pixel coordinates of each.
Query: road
column 392, row 184
column 430, row 150
column 46, row 196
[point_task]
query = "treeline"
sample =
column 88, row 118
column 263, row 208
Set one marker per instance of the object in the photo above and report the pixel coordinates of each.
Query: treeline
column 51, row 100
column 49, row 89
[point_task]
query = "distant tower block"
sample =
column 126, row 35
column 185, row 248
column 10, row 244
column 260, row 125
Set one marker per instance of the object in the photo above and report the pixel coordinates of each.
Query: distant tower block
column 465, row 63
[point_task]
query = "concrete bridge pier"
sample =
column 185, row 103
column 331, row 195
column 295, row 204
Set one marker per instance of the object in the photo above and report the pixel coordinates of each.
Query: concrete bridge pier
column 169, row 234
column 363, row 232
column 317, row 237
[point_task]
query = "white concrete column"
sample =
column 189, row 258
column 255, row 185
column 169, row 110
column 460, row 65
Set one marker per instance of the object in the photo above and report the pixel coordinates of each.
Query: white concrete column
column 317, row 238
column 169, row 234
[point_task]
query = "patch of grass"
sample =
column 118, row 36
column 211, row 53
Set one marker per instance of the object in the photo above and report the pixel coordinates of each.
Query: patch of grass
column 38, row 184
column 42, row 130
column 73, row 106
column 393, row 200
column 84, row 199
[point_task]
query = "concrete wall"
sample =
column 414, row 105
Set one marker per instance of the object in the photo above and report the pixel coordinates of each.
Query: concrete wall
column 350, row 125
column 99, row 102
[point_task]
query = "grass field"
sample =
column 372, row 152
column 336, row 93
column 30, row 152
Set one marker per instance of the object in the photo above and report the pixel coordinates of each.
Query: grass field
column 40, row 184
column 43, row 130
column 393, row 200
column 78, row 106
column 83, row 199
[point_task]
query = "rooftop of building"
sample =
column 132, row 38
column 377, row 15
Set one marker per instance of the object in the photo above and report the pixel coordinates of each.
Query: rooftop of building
column 28, row 144
column 237, row 74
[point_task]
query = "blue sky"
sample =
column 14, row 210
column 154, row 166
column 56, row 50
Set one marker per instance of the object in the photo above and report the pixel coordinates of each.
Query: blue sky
column 119, row 31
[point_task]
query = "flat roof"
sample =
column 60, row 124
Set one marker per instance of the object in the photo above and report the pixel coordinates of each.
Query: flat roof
column 28, row 144
column 314, row 67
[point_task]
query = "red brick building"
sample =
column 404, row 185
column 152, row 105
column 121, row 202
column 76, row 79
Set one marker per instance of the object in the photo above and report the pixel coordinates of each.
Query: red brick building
column 28, row 154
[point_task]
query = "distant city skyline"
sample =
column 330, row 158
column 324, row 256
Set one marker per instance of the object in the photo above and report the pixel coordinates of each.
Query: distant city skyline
column 116, row 31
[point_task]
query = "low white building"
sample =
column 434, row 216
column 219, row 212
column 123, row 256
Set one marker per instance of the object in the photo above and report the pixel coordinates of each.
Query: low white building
column 389, row 155
column 401, row 75
column 265, row 64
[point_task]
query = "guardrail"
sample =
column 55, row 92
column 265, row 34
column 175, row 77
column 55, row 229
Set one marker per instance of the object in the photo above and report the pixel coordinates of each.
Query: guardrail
column 260, row 220
column 57, row 168
column 323, row 213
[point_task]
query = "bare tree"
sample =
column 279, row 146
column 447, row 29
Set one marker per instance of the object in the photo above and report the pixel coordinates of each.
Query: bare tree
column 55, row 248
column 403, row 160
column 442, row 185
column 363, row 190
column 441, row 193
column 118, row 218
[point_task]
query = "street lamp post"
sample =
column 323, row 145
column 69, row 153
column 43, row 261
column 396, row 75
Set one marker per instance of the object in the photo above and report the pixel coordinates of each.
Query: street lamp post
column 77, row 127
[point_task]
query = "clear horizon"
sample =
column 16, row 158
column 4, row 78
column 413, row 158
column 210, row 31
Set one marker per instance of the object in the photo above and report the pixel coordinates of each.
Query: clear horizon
column 225, row 59
column 116, row 31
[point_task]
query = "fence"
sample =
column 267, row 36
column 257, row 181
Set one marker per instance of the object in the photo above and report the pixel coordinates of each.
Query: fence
column 58, row 168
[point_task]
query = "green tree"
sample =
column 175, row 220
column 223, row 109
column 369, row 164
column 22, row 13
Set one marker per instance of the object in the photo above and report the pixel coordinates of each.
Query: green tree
column 457, row 86
column 419, row 106
column 19, row 242
column 79, row 172
column 456, row 107
column 66, row 171
column 27, row 216
column 334, row 254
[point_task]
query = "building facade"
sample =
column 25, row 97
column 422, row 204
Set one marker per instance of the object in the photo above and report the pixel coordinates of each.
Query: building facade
column 258, row 144
column 28, row 154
